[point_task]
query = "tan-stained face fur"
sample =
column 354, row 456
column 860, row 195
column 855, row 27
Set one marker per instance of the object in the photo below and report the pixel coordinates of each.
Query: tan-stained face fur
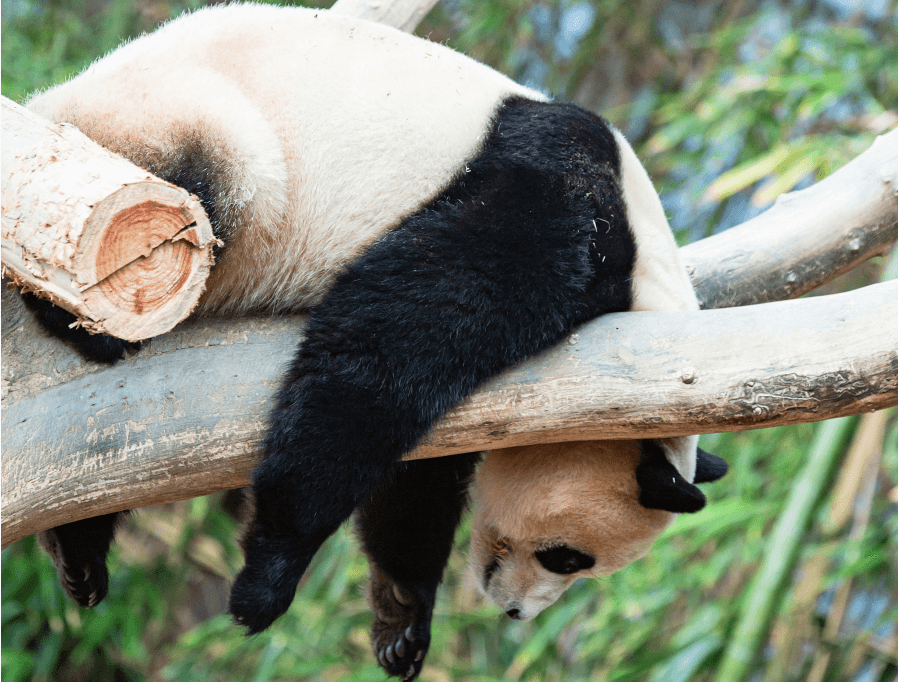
column 582, row 495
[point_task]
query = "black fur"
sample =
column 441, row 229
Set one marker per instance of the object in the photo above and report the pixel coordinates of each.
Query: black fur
column 79, row 550
column 96, row 347
column 406, row 528
column 662, row 487
column 709, row 467
column 202, row 167
column 564, row 560
column 528, row 241
column 503, row 264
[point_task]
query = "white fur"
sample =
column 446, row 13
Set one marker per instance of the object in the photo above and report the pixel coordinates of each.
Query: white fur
column 660, row 281
column 284, row 133
column 288, row 128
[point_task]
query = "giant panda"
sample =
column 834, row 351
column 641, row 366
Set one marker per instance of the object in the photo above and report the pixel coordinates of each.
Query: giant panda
column 438, row 221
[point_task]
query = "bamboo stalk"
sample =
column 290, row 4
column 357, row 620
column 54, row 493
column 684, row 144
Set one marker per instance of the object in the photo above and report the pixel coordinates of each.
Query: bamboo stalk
column 850, row 500
column 781, row 551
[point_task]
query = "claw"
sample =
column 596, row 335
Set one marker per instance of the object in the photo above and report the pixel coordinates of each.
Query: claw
column 419, row 655
column 391, row 656
column 409, row 633
column 400, row 647
column 398, row 596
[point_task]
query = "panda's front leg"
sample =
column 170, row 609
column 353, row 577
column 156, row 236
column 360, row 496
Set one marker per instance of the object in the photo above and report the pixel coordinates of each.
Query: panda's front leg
column 328, row 445
column 346, row 413
column 407, row 528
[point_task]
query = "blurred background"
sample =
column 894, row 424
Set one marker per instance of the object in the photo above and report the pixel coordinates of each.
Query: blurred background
column 729, row 103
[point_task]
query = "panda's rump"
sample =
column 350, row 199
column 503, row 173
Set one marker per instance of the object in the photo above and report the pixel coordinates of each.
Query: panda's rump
column 316, row 134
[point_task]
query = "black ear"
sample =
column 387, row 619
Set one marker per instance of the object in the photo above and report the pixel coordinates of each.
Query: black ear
column 564, row 560
column 708, row 467
column 660, row 484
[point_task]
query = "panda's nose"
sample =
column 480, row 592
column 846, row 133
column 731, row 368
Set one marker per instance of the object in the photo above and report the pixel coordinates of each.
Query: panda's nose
column 514, row 613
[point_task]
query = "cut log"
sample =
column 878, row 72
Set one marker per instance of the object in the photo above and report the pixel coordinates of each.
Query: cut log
column 185, row 415
column 127, row 253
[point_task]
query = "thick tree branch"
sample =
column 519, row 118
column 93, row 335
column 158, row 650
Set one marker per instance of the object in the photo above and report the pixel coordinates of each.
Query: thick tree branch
column 402, row 14
column 175, row 421
column 807, row 238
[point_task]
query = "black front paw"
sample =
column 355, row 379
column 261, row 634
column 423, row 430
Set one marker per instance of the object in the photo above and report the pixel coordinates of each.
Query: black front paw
column 400, row 636
column 82, row 572
column 264, row 589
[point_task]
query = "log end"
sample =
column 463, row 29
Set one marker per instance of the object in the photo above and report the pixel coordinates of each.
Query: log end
column 148, row 262
column 140, row 266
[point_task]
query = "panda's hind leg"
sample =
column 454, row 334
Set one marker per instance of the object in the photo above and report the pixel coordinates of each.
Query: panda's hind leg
column 407, row 527
column 79, row 550
column 96, row 347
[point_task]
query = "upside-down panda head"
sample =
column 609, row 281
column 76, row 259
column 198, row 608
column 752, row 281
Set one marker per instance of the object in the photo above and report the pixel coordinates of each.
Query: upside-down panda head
column 546, row 515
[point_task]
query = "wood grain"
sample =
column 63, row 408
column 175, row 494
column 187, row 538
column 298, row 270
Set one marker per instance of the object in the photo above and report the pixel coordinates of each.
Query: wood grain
column 183, row 417
column 806, row 238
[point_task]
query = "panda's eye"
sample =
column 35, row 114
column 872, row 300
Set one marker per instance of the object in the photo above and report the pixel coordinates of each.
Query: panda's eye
column 564, row 560
column 500, row 547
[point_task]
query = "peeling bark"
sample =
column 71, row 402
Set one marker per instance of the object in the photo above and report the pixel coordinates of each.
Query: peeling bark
column 124, row 251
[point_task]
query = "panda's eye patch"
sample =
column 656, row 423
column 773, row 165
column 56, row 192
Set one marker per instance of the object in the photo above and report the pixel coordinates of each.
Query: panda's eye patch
column 564, row 560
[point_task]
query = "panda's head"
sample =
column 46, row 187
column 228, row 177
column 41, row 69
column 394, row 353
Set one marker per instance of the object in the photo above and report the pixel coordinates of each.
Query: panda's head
column 546, row 515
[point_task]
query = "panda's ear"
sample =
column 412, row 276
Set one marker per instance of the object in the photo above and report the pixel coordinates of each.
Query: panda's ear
column 708, row 467
column 660, row 484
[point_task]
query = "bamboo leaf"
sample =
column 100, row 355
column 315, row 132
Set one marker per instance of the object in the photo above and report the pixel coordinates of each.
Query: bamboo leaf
column 746, row 174
column 787, row 179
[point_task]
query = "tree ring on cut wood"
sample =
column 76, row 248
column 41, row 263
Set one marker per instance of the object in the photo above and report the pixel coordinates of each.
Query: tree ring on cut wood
column 125, row 252
column 145, row 261
column 161, row 275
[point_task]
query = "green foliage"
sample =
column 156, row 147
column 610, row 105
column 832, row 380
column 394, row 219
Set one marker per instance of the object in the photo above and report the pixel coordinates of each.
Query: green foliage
column 45, row 42
column 801, row 106
column 806, row 106
column 666, row 617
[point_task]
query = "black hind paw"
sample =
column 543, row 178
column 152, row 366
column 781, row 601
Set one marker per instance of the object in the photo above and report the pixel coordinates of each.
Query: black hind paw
column 103, row 348
column 85, row 578
column 400, row 636
column 97, row 347
column 401, row 654
column 264, row 589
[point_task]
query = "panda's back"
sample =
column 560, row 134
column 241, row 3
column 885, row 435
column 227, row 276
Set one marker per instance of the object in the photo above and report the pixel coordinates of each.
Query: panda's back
column 310, row 133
